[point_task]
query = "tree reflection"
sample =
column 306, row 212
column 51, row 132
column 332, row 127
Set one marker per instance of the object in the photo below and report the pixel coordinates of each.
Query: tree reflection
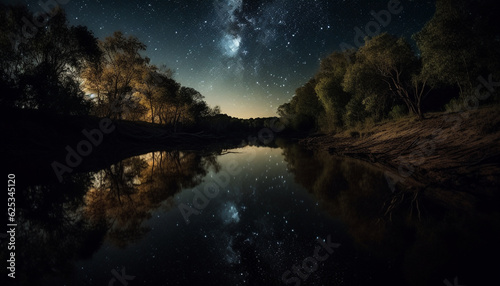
column 124, row 194
column 349, row 191
column 51, row 229
column 444, row 241
column 63, row 222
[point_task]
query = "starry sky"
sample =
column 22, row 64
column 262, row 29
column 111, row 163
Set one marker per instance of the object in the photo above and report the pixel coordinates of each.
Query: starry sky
column 247, row 56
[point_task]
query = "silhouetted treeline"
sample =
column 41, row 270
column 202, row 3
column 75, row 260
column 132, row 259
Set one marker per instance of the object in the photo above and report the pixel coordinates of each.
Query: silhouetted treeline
column 227, row 125
column 40, row 62
column 455, row 68
column 50, row 66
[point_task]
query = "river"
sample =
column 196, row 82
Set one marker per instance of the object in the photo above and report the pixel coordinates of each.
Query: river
column 246, row 216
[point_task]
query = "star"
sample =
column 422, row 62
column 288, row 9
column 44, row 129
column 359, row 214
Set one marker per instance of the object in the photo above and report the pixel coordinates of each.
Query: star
column 251, row 37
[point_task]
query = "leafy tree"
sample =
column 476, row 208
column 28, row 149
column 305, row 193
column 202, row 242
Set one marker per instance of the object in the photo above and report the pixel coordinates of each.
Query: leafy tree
column 330, row 91
column 167, row 92
column 112, row 78
column 460, row 43
column 285, row 110
column 214, row 111
column 184, row 106
column 155, row 83
column 391, row 67
column 179, row 105
column 40, row 69
column 355, row 112
column 305, row 107
column 370, row 96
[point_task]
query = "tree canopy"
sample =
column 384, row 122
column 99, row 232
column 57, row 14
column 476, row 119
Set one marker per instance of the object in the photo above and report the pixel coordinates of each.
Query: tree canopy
column 387, row 78
column 40, row 70
column 460, row 43
column 50, row 66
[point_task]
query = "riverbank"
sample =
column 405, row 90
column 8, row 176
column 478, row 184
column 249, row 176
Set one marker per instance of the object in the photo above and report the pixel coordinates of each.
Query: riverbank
column 33, row 141
column 453, row 151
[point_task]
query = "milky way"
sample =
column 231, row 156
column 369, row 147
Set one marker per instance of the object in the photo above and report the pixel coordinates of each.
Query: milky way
column 227, row 16
column 246, row 56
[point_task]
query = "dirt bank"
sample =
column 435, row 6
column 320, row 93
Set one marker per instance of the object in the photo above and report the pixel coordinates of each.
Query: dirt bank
column 452, row 151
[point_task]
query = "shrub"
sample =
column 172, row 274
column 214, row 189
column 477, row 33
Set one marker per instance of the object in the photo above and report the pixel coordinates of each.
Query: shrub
column 455, row 105
column 355, row 112
column 398, row 111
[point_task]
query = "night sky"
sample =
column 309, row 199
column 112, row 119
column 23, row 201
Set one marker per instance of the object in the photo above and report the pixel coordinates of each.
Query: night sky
column 246, row 56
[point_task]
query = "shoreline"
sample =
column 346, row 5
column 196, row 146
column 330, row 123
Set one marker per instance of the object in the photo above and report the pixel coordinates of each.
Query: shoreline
column 452, row 151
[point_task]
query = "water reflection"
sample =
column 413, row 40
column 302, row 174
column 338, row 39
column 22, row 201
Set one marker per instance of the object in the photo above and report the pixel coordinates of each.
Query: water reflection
column 63, row 222
column 264, row 221
column 124, row 194
column 427, row 241
column 51, row 229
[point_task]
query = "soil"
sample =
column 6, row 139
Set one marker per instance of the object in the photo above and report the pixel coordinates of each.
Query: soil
column 445, row 151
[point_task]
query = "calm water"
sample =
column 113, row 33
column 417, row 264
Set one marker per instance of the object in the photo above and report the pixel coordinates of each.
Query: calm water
column 248, row 216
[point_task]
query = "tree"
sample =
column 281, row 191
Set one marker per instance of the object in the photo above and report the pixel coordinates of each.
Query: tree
column 391, row 61
column 370, row 96
column 460, row 43
column 112, row 79
column 40, row 69
column 330, row 91
column 154, row 83
column 167, row 92
column 183, row 106
column 188, row 106
column 303, row 110
column 169, row 103
column 307, row 107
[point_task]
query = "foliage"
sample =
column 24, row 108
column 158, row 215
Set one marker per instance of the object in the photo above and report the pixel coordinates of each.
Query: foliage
column 455, row 105
column 391, row 64
column 303, row 111
column 56, row 68
column 111, row 79
column 398, row 111
column 353, row 87
column 460, row 43
column 127, row 86
column 386, row 78
column 330, row 91
column 355, row 112
column 39, row 68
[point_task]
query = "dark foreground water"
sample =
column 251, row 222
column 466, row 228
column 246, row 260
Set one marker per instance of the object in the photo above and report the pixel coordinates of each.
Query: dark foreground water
column 248, row 216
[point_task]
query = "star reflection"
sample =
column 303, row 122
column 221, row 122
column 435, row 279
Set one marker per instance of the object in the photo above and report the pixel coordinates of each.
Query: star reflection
column 230, row 214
